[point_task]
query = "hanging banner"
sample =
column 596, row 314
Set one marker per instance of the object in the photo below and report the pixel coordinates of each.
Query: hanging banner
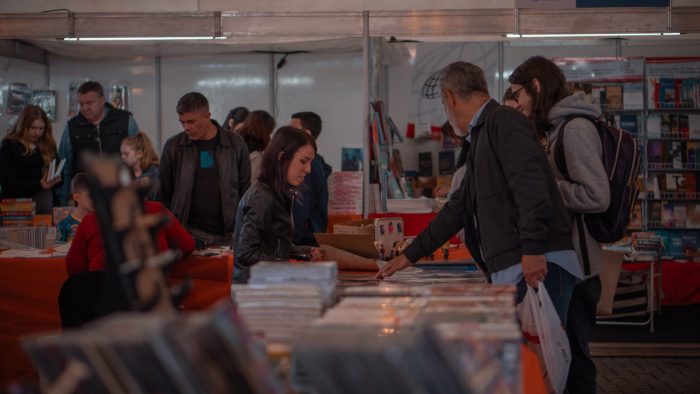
column 567, row 4
column 611, row 69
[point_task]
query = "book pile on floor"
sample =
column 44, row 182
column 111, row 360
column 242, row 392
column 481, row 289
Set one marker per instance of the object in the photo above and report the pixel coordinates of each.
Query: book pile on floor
column 149, row 353
column 468, row 334
column 282, row 299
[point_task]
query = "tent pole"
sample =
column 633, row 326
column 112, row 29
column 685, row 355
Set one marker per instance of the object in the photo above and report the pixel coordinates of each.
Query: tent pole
column 365, row 110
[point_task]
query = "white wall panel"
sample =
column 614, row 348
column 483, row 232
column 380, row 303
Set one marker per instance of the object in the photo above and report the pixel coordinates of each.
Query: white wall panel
column 228, row 81
column 653, row 48
column 14, row 70
column 405, row 83
column 139, row 72
column 331, row 86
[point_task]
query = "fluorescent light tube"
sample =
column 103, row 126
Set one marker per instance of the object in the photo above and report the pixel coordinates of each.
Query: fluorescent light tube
column 574, row 35
column 140, row 38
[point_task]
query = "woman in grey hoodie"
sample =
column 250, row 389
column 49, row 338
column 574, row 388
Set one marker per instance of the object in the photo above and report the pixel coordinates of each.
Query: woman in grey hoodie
column 539, row 88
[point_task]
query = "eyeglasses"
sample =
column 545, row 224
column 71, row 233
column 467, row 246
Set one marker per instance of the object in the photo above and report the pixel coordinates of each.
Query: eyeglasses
column 515, row 95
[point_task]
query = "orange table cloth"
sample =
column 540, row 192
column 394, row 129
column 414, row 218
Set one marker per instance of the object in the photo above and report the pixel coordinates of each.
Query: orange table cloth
column 29, row 300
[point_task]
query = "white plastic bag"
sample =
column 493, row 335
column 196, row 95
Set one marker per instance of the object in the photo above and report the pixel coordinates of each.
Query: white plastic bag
column 545, row 334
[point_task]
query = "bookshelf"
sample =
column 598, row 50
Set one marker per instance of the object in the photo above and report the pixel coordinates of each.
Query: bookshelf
column 672, row 150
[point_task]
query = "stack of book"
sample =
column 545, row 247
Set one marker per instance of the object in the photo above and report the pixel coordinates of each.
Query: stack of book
column 472, row 329
column 415, row 276
column 28, row 237
column 673, row 125
column 152, row 353
column 278, row 313
column 17, row 211
column 345, row 193
column 676, row 155
column 320, row 274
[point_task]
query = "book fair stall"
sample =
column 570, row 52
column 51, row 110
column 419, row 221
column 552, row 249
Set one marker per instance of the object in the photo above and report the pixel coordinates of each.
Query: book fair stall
column 178, row 321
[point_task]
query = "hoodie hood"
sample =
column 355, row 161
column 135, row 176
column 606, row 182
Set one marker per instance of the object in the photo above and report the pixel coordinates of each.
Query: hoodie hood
column 572, row 105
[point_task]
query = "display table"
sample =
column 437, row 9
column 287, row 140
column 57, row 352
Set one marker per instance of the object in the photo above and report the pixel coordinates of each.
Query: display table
column 680, row 281
column 29, row 291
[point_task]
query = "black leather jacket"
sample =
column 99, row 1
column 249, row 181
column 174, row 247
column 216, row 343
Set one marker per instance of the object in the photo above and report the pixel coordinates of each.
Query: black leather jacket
column 177, row 169
column 509, row 203
column 264, row 230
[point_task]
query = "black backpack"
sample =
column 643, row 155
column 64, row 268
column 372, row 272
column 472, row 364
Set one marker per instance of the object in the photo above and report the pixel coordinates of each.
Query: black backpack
column 621, row 159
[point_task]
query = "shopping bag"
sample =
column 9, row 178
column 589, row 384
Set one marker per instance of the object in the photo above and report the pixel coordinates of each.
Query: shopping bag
column 544, row 333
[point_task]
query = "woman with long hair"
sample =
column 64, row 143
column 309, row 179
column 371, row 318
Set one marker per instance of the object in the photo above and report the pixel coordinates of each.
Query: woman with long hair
column 25, row 155
column 235, row 118
column 256, row 131
column 264, row 227
column 138, row 154
column 539, row 88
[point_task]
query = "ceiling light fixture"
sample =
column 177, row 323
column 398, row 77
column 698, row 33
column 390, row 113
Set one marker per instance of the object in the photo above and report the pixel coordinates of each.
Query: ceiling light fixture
column 141, row 38
column 590, row 35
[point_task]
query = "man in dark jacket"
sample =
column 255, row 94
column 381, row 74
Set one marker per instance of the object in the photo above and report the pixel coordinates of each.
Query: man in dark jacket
column 204, row 172
column 310, row 210
column 516, row 226
column 98, row 128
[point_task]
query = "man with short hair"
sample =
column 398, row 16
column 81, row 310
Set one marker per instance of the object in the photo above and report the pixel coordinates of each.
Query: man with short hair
column 310, row 210
column 204, row 172
column 515, row 222
column 98, row 128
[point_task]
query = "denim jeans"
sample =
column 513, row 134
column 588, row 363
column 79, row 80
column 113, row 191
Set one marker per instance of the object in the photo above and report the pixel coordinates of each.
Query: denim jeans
column 580, row 326
column 559, row 284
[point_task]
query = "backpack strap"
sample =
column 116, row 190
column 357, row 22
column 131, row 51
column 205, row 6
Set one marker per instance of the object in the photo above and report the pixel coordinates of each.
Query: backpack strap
column 560, row 161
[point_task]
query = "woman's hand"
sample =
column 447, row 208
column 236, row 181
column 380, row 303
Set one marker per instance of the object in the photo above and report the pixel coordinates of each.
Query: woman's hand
column 317, row 254
column 48, row 185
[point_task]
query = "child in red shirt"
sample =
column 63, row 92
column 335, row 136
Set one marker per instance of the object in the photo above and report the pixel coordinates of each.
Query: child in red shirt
column 87, row 251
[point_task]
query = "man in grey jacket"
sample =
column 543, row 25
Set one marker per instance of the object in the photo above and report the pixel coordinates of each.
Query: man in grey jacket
column 515, row 223
column 204, row 172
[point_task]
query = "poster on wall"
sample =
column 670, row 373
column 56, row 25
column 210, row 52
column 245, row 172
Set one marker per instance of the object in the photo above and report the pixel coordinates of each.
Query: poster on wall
column 46, row 100
column 18, row 96
column 119, row 95
column 73, row 106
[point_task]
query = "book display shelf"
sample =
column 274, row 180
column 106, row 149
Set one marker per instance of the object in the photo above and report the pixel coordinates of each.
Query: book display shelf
column 657, row 100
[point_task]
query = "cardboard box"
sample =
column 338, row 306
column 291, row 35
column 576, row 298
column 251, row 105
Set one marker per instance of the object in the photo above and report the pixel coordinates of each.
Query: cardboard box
column 359, row 236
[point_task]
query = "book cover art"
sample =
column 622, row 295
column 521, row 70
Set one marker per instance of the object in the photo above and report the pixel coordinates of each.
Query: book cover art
column 628, row 122
column 690, row 183
column 694, row 126
column 351, row 159
column 425, row 164
column 667, row 219
column 446, row 162
column 654, row 126
column 683, row 126
column 613, row 96
column 665, row 125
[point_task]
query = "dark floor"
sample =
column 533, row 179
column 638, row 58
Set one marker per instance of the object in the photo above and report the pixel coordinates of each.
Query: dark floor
column 676, row 324
column 648, row 375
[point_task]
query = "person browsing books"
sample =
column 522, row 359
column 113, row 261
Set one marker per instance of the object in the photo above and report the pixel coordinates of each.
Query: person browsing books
column 311, row 207
column 25, row 156
column 540, row 90
column 204, row 171
column 264, row 228
column 256, row 131
column 81, row 195
column 98, row 128
column 138, row 154
column 515, row 223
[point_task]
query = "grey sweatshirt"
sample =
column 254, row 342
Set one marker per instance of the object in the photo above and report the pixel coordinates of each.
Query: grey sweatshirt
column 588, row 190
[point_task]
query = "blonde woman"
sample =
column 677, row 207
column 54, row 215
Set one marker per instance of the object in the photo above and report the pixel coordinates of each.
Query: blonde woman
column 138, row 154
column 25, row 155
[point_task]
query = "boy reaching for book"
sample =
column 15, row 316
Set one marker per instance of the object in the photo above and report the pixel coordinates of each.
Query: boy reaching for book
column 81, row 196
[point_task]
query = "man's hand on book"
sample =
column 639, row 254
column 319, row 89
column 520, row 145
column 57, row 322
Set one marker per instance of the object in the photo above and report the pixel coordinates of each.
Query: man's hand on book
column 394, row 265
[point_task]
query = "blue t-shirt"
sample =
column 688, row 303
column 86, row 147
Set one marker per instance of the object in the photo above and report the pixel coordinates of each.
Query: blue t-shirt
column 67, row 228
